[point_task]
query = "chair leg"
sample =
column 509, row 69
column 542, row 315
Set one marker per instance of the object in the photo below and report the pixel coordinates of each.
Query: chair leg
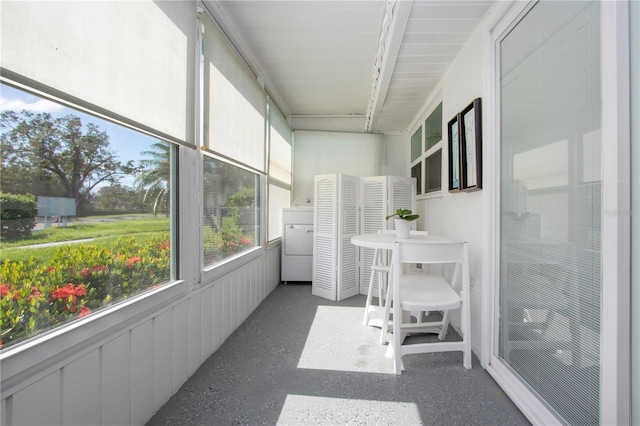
column 385, row 317
column 445, row 325
column 397, row 341
column 466, row 330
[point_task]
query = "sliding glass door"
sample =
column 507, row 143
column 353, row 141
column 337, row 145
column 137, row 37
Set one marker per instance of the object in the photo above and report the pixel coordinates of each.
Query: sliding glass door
column 550, row 263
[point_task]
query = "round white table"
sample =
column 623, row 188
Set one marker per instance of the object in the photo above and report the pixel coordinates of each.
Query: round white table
column 387, row 241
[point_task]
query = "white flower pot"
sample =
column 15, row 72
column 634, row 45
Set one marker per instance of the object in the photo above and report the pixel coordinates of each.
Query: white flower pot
column 402, row 228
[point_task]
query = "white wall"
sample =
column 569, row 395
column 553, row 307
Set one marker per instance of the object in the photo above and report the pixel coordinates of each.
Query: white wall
column 317, row 153
column 397, row 151
column 460, row 215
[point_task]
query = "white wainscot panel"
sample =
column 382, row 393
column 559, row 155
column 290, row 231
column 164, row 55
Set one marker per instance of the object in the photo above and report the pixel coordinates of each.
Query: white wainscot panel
column 3, row 412
column 81, row 390
column 243, row 294
column 218, row 324
column 163, row 358
column 39, row 403
column 116, row 375
column 206, row 336
column 195, row 332
column 227, row 307
column 180, row 348
column 142, row 373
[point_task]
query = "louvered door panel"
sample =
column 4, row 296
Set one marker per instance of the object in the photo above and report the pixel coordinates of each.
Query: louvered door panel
column 324, row 237
column 373, row 208
column 349, row 226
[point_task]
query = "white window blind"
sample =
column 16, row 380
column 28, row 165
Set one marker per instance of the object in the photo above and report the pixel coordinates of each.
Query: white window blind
column 235, row 106
column 131, row 61
column 550, row 255
column 280, row 139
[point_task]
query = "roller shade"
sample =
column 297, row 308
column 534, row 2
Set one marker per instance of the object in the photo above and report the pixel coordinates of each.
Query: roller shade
column 280, row 139
column 132, row 61
column 235, row 105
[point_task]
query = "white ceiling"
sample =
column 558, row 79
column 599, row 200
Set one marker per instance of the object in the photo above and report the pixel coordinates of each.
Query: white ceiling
column 364, row 65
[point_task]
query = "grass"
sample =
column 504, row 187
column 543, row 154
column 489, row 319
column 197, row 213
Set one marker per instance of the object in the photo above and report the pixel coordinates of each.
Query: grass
column 104, row 229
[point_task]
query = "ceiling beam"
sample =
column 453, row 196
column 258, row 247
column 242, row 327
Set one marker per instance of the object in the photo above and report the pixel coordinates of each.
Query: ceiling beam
column 391, row 33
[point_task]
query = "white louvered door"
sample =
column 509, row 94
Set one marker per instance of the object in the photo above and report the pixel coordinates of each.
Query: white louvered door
column 324, row 236
column 373, row 210
column 402, row 195
column 346, row 206
column 348, row 226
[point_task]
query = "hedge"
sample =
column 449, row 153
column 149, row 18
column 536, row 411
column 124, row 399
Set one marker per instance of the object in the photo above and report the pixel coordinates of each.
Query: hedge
column 17, row 215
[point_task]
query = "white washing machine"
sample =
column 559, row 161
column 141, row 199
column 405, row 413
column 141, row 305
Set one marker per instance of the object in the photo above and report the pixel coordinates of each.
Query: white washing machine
column 297, row 244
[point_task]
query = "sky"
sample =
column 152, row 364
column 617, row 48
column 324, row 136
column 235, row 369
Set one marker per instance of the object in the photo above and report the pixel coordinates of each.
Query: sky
column 126, row 143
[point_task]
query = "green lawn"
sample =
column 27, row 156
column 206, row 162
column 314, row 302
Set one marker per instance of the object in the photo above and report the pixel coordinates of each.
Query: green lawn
column 104, row 229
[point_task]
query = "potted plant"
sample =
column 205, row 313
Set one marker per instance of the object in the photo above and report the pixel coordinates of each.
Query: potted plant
column 403, row 219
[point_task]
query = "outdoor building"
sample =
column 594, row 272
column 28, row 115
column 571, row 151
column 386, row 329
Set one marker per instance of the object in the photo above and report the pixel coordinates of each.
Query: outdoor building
column 161, row 140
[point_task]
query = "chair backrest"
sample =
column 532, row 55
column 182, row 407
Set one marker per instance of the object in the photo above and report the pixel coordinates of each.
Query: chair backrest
column 431, row 252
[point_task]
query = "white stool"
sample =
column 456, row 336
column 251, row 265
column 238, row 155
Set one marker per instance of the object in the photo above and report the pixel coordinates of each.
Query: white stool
column 380, row 267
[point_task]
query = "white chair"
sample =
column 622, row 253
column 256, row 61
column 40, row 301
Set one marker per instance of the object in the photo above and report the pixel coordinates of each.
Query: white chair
column 429, row 292
column 384, row 331
column 380, row 266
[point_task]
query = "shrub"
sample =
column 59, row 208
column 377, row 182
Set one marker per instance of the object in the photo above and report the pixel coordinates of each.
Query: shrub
column 77, row 280
column 17, row 215
column 229, row 241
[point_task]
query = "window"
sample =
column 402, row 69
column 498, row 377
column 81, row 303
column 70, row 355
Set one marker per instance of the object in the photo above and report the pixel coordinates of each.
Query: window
column 87, row 212
column 433, row 128
column 551, row 205
column 416, row 144
column 279, row 179
column 416, row 172
column 234, row 127
column 231, row 210
column 433, row 172
column 429, row 158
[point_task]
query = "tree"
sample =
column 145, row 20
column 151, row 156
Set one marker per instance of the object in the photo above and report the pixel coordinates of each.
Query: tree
column 155, row 177
column 118, row 198
column 59, row 156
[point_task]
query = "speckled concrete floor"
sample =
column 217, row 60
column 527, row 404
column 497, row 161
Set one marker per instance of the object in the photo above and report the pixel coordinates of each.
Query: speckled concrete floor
column 303, row 360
